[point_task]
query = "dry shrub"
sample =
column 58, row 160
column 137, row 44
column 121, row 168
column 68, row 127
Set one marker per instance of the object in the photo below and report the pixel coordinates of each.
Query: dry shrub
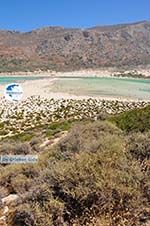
column 20, row 183
column 23, row 217
column 89, row 137
column 18, row 178
column 89, row 178
column 6, row 148
column 96, row 184
column 139, row 145
column 22, row 149
column 99, row 179
column 139, row 148
column 16, row 149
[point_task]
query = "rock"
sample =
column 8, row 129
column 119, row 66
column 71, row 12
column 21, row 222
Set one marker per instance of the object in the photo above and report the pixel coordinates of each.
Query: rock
column 10, row 199
column 46, row 143
column 6, row 209
column 3, row 221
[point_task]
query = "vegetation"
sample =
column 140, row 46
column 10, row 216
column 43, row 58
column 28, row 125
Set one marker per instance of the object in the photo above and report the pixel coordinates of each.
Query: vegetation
column 134, row 120
column 57, row 127
column 98, row 174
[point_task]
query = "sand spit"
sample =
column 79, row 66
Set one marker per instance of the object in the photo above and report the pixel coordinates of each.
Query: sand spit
column 42, row 87
column 143, row 71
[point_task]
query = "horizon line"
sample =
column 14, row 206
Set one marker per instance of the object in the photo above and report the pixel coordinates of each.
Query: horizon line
column 73, row 27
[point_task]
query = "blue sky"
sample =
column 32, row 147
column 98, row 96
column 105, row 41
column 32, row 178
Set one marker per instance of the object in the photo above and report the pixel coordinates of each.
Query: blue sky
column 25, row 15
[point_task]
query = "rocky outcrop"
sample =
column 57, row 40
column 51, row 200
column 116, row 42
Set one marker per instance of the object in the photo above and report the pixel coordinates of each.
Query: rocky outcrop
column 10, row 199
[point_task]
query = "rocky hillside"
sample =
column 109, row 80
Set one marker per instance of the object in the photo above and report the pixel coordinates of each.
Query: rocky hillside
column 58, row 48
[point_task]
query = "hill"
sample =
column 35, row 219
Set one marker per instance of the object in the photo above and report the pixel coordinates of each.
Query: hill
column 58, row 48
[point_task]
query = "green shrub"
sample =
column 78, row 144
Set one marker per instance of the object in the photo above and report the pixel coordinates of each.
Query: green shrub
column 2, row 125
column 134, row 120
column 26, row 136
column 58, row 127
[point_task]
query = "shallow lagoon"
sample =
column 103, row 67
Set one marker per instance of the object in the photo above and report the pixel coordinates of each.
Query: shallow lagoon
column 6, row 79
column 104, row 87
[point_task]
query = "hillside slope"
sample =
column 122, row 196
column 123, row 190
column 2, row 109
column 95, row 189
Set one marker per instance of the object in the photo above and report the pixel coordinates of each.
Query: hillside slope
column 58, row 48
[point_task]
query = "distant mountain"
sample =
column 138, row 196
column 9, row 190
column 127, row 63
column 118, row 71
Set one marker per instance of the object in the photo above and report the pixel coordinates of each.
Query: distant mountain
column 58, row 48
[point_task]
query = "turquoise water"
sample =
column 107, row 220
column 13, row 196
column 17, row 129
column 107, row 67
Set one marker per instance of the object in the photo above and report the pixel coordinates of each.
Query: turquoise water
column 104, row 87
column 5, row 80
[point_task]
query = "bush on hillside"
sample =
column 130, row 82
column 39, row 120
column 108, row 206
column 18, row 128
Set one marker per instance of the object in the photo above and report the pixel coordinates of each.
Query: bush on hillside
column 88, row 137
column 99, row 179
column 139, row 145
column 91, row 177
column 137, row 120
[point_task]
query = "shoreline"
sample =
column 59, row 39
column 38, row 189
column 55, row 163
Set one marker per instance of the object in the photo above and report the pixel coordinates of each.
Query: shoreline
column 41, row 87
column 40, row 106
column 103, row 72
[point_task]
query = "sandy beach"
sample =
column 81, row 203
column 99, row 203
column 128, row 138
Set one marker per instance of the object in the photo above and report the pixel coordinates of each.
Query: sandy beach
column 41, row 86
column 111, row 72
column 102, row 72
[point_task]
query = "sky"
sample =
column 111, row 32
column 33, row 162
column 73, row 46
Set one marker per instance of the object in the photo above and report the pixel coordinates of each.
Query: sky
column 25, row 15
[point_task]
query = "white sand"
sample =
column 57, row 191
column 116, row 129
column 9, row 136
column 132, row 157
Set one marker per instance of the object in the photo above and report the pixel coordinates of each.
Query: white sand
column 102, row 72
column 41, row 86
